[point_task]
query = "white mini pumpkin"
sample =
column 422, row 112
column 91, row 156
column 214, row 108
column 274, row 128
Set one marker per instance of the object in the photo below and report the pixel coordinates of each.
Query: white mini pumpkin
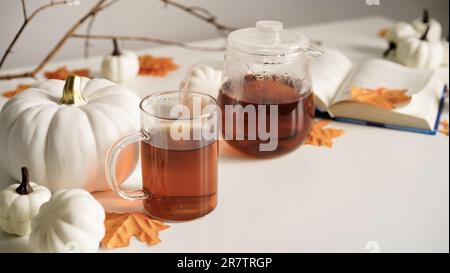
column 422, row 24
column 120, row 66
column 64, row 142
column 72, row 221
column 19, row 203
column 399, row 31
column 204, row 78
column 395, row 34
column 420, row 53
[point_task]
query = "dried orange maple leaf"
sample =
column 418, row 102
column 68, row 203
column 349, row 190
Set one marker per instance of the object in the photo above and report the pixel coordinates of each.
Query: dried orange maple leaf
column 444, row 127
column 62, row 72
column 381, row 97
column 19, row 88
column 156, row 66
column 320, row 136
column 120, row 227
column 383, row 32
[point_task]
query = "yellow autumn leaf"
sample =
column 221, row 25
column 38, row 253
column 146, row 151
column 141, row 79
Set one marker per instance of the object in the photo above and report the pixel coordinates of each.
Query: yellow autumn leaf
column 19, row 88
column 382, row 97
column 62, row 72
column 120, row 227
column 444, row 127
column 321, row 136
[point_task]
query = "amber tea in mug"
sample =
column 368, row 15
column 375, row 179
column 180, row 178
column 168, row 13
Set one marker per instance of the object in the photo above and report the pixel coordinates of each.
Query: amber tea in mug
column 179, row 156
column 181, row 179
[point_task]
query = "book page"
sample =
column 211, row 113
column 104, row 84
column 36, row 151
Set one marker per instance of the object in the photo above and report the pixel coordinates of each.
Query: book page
column 379, row 73
column 328, row 73
column 425, row 87
column 437, row 86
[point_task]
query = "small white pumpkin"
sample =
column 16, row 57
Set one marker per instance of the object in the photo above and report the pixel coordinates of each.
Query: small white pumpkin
column 204, row 79
column 422, row 24
column 120, row 66
column 395, row 34
column 62, row 131
column 72, row 221
column 19, row 203
column 420, row 53
column 399, row 31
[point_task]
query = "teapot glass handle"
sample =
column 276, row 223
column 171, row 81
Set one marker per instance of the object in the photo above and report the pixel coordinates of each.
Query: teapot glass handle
column 110, row 165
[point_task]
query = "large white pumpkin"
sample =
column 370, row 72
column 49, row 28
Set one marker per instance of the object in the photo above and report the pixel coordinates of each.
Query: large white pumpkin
column 63, row 137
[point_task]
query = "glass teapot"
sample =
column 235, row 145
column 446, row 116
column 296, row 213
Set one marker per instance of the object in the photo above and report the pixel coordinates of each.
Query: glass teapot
column 265, row 96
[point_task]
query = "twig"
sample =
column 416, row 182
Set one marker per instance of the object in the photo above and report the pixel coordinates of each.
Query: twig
column 24, row 10
column 199, row 12
column 94, row 10
column 202, row 14
column 91, row 24
column 88, row 34
column 28, row 74
column 148, row 40
column 107, row 5
column 25, row 23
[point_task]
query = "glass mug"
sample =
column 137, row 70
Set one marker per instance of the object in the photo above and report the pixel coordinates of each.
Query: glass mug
column 179, row 156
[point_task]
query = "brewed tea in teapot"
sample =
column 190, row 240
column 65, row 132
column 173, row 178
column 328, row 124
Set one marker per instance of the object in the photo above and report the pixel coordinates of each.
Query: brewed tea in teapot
column 266, row 97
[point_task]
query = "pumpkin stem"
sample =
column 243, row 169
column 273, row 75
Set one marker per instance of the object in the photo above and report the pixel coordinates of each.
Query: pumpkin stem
column 24, row 187
column 426, row 16
column 116, row 51
column 72, row 91
column 425, row 34
column 392, row 46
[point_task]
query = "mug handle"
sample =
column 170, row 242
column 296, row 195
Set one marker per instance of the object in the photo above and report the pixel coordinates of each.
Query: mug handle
column 110, row 165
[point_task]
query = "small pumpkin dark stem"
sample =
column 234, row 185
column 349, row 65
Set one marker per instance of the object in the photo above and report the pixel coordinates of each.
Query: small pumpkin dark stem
column 116, row 51
column 392, row 46
column 425, row 34
column 426, row 17
column 24, row 187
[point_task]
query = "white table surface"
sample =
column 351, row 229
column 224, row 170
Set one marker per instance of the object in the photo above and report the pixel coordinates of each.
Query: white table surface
column 376, row 189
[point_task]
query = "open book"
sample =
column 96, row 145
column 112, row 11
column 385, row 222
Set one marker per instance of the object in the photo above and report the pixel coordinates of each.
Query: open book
column 334, row 78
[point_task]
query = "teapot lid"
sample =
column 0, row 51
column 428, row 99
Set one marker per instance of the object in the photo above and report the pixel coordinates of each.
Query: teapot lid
column 268, row 38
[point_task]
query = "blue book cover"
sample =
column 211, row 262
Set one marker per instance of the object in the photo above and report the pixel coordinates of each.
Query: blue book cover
column 325, row 115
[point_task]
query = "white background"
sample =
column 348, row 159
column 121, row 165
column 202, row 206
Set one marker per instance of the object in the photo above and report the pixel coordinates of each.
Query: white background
column 149, row 18
column 375, row 190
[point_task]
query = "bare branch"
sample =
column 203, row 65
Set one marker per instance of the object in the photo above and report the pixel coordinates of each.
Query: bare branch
column 91, row 24
column 94, row 10
column 202, row 14
column 199, row 12
column 148, row 40
column 24, row 10
column 18, row 75
column 25, row 23
column 87, row 43
column 107, row 5
column 69, row 33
